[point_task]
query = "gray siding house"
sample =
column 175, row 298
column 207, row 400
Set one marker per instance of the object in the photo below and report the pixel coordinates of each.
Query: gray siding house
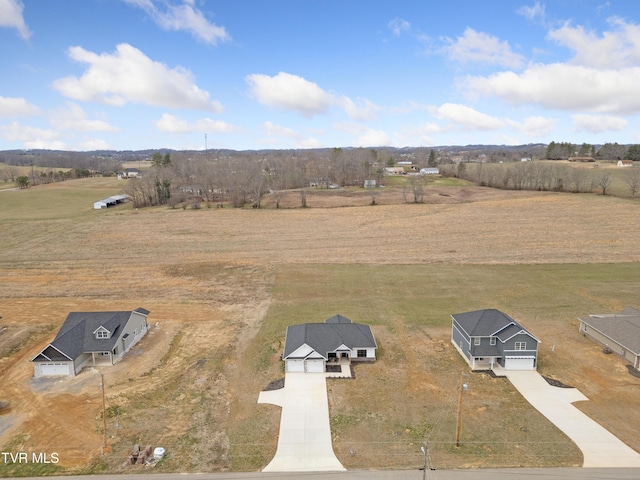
column 310, row 346
column 91, row 338
column 490, row 338
column 619, row 332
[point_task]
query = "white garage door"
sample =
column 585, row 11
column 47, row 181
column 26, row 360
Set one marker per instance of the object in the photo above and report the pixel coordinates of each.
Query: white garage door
column 519, row 363
column 295, row 365
column 314, row 366
column 54, row 369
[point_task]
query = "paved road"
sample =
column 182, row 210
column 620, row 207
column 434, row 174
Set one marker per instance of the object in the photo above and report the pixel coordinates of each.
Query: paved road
column 600, row 448
column 476, row 474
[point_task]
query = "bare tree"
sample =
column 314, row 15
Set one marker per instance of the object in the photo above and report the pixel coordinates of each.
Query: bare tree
column 418, row 188
column 603, row 181
column 633, row 181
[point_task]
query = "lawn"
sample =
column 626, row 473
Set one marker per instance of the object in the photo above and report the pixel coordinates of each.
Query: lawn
column 410, row 395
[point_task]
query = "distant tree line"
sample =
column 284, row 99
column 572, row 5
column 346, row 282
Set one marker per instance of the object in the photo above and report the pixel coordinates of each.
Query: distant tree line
column 608, row 151
column 240, row 178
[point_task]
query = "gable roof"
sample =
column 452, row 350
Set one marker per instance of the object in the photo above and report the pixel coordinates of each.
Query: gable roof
column 327, row 337
column 490, row 323
column 623, row 327
column 77, row 334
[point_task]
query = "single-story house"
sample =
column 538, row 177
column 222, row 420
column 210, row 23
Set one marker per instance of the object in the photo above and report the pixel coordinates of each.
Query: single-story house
column 488, row 338
column 310, row 346
column 111, row 201
column 91, row 338
column 625, row 163
column 394, row 171
column 618, row 332
column 129, row 173
column 430, row 171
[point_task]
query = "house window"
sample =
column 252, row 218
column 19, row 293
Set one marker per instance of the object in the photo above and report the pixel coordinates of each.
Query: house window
column 476, row 341
column 492, row 341
column 102, row 334
column 331, row 355
column 521, row 346
column 362, row 354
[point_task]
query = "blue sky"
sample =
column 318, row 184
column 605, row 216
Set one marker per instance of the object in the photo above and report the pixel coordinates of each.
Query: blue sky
column 138, row 74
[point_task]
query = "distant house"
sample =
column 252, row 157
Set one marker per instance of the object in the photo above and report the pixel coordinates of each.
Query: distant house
column 311, row 346
column 430, row 171
column 490, row 338
column 370, row 183
column 394, row 171
column 91, row 338
column 111, row 201
column 625, row 163
column 525, row 159
column 618, row 333
column 129, row 173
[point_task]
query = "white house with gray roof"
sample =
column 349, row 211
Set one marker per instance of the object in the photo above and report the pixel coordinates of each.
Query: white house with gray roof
column 490, row 338
column 619, row 332
column 311, row 346
column 91, row 338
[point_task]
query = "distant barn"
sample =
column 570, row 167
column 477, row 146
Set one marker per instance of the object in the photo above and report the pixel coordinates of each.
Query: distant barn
column 111, row 201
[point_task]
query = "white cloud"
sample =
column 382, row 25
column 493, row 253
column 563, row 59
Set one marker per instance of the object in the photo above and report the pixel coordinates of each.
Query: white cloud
column 89, row 144
column 535, row 11
column 364, row 136
column 479, row 47
column 172, row 124
column 285, row 91
column 31, row 137
column 73, row 117
column 130, row 76
column 465, row 117
column 362, row 110
column 534, row 127
column 598, row 123
column 290, row 92
column 11, row 17
column 373, row 138
column 398, row 26
column 617, row 48
column 564, row 87
column 182, row 16
column 276, row 133
column 16, row 107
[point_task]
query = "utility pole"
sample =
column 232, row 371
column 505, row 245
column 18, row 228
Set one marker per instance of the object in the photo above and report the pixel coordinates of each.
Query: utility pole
column 424, row 466
column 104, row 416
column 463, row 388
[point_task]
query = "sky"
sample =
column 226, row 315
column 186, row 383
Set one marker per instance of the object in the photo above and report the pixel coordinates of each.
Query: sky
column 292, row 74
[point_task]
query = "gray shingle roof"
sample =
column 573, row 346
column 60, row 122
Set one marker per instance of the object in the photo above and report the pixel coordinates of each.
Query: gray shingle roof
column 489, row 323
column 623, row 327
column 77, row 334
column 329, row 336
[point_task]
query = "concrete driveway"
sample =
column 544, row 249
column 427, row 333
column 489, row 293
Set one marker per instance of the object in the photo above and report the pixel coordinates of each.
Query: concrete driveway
column 600, row 448
column 304, row 443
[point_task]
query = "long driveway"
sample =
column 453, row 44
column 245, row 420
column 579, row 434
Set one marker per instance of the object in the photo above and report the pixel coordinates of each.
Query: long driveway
column 304, row 443
column 600, row 448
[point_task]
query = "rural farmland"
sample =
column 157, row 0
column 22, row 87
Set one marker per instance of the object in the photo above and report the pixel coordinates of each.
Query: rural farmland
column 222, row 285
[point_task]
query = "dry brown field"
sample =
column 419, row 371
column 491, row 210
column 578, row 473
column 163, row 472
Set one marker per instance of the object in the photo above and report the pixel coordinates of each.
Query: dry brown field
column 222, row 283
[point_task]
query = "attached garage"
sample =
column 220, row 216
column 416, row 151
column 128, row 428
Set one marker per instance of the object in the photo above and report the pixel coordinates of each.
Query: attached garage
column 314, row 365
column 54, row 368
column 295, row 365
column 519, row 363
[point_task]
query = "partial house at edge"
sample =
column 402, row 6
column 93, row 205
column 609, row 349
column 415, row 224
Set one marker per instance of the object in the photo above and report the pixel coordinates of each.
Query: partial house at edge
column 489, row 338
column 310, row 347
column 90, row 339
column 618, row 332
